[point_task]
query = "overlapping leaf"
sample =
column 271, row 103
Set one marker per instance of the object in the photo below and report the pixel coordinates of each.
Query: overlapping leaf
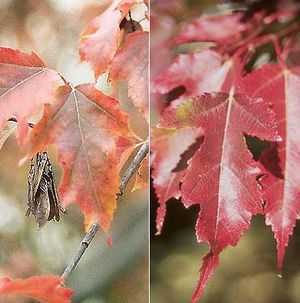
column 45, row 289
column 197, row 73
column 90, row 133
column 100, row 40
column 220, row 175
column 281, row 184
column 226, row 28
column 131, row 64
column 25, row 85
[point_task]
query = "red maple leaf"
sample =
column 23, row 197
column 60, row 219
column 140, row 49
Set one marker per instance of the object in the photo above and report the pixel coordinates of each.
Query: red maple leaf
column 45, row 289
column 281, row 192
column 91, row 133
column 100, row 40
column 131, row 63
column 26, row 84
column 214, row 177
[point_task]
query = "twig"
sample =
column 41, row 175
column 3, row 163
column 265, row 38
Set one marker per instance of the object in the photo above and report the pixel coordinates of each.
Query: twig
column 134, row 165
column 84, row 244
column 255, row 41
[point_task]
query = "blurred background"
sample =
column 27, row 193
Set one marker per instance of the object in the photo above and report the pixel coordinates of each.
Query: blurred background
column 115, row 274
column 247, row 272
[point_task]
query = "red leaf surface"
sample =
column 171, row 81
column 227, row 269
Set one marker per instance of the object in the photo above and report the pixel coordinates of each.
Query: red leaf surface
column 22, row 74
column 100, row 40
column 214, row 177
column 282, row 161
column 90, row 133
column 216, row 28
column 45, row 289
column 197, row 72
column 131, row 64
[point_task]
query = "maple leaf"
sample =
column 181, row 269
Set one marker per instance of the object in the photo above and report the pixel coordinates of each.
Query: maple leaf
column 221, row 29
column 101, row 38
column 281, row 189
column 214, row 177
column 45, row 289
column 22, row 74
column 91, row 133
column 197, row 73
column 131, row 63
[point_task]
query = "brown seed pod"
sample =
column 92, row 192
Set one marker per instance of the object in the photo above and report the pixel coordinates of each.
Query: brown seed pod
column 43, row 201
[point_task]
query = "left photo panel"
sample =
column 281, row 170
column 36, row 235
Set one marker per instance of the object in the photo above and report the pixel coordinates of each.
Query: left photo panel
column 74, row 151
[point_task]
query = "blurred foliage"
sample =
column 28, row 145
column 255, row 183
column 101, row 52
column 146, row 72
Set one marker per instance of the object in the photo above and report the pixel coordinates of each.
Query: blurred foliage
column 51, row 28
column 247, row 272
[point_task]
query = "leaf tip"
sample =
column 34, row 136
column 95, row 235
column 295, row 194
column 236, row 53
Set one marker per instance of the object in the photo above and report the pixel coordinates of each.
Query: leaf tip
column 160, row 218
column 209, row 265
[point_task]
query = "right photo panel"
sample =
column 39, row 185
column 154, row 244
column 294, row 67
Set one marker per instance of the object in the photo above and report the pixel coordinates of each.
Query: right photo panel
column 225, row 151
